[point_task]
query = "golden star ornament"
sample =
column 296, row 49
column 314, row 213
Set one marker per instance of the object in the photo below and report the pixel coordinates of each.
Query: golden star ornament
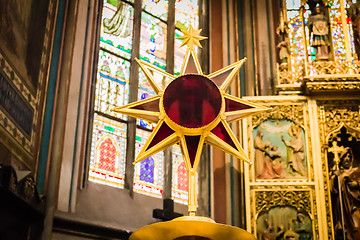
column 193, row 109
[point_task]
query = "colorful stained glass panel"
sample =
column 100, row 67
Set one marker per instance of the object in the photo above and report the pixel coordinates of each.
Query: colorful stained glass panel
column 112, row 84
column 180, row 180
column 186, row 14
column 158, row 8
column 148, row 177
column 116, row 28
column 153, row 41
column 108, row 147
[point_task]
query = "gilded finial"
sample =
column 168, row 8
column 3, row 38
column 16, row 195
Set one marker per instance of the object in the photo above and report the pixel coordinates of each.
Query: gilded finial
column 191, row 37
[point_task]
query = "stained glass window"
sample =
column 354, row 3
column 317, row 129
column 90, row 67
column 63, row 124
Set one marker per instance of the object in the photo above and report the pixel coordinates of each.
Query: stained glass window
column 108, row 146
column 107, row 160
column 153, row 41
column 148, row 177
column 338, row 33
column 117, row 27
column 180, row 181
column 296, row 35
column 112, row 83
column 159, row 8
column 186, row 14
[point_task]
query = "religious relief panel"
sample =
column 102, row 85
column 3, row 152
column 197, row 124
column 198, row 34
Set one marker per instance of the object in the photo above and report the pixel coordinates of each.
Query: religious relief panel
column 279, row 150
column 340, row 138
column 278, row 142
column 280, row 185
column 283, row 214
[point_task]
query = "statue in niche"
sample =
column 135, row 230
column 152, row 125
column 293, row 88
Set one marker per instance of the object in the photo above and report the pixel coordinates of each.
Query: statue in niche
column 283, row 46
column 295, row 151
column 354, row 13
column 345, row 190
column 319, row 28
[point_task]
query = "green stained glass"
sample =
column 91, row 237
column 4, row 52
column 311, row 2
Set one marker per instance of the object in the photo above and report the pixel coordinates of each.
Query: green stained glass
column 116, row 28
column 153, row 41
column 186, row 14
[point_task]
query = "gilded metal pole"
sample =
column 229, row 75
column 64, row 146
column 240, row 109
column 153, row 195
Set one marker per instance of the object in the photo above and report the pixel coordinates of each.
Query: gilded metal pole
column 346, row 36
column 192, row 193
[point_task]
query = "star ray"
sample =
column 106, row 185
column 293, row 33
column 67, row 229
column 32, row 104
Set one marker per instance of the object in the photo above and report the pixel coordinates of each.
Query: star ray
column 192, row 148
column 161, row 137
column 225, row 76
column 222, row 137
column 191, row 64
column 147, row 109
column 236, row 108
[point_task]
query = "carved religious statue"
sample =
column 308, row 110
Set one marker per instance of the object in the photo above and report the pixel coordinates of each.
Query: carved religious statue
column 283, row 46
column 267, row 159
column 354, row 13
column 296, row 155
column 345, row 189
column 319, row 28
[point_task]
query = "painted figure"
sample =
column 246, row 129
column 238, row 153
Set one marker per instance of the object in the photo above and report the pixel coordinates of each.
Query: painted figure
column 319, row 27
column 291, row 235
column 272, row 167
column 295, row 153
column 259, row 146
column 354, row 13
column 302, row 226
column 345, row 189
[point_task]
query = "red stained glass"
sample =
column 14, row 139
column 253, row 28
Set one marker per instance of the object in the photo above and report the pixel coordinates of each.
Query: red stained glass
column 221, row 133
column 149, row 106
column 107, row 155
column 183, row 179
column 163, row 132
column 192, row 101
column 192, row 143
column 231, row 105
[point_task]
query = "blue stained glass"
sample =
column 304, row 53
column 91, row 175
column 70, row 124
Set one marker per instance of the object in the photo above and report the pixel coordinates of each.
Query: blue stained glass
column 147, row 170
column 153, row 41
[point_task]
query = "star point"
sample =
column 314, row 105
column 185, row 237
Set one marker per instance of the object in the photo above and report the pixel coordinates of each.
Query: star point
column 191, row 37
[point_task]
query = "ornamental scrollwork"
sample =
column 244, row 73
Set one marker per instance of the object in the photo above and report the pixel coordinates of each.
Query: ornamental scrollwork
column 333, row 113
column 264, row 200
column 294, row 113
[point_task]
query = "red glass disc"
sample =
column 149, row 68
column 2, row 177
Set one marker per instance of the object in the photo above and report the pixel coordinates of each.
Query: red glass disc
column 192, row 101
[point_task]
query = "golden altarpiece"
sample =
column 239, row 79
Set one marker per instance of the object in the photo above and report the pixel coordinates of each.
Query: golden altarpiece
column 304, row 183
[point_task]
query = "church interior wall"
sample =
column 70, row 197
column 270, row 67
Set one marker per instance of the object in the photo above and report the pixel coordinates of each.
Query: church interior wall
column 68, row 206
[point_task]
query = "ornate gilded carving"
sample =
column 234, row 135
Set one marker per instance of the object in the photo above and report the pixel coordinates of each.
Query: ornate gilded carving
column 294, row 113
column 333, row 115
column 268, row 199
